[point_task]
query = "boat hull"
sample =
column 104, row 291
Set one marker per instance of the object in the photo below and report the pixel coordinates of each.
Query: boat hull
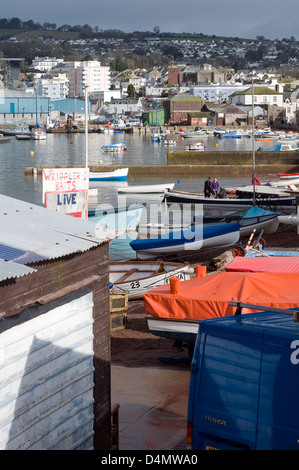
column 174, row 329
column 187, row 241
column 146, row 189
column 117, row 175
column 234, row 202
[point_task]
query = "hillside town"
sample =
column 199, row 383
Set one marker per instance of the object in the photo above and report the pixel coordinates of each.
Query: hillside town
column 206, row 82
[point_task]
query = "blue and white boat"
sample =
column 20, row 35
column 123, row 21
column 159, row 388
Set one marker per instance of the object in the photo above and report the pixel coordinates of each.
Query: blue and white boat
column 118, row 147
column 231, row 135
column 197, row 238
column 116, row 175
column 122, row 219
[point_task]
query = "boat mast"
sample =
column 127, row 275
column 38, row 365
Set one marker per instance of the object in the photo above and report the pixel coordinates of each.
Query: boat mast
column 253, row 148
column 86, row 129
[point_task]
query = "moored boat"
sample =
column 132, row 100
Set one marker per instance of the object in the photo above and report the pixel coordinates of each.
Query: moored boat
column 38, row 134
column 25, row 130
column 198, row 146
column 118, row 147
column 146, row 188
column 138, row 277
column 116, row 175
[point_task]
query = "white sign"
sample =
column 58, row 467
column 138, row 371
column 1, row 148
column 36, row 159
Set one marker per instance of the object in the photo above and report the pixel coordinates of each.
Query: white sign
column 73, row 203
column 65, row 180
column 66, row 190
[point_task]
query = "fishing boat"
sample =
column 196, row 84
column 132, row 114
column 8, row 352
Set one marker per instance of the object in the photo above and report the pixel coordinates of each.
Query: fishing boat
column 146, row 189
column 198, row 146
column 137, row 277
column 116, row 175
column 173, row 311
column 118, row 147
column 190, row 241
column 122, row 219
column 288, row 175
column 265, row 197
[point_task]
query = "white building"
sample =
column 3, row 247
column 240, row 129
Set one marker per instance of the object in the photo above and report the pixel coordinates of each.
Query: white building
column 54, row 88
column 45, row 63
column 89, row 74
column 261, row 95
column 220, row 93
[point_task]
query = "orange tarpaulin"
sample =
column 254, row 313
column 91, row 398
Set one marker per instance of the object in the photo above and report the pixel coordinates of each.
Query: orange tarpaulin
column 208, row 296
column 273, row 264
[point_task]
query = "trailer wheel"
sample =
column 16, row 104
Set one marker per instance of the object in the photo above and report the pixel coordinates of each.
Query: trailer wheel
column 238, row 251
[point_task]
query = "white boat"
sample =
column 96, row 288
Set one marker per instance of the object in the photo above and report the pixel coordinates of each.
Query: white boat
column 199, row 238
column 116, row 175
column 38, row 134
column 122, row 219
column 146, row 189
column 197, row 146
column 137, row 277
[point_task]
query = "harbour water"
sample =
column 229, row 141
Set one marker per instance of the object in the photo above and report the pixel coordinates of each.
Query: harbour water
column 70, row 150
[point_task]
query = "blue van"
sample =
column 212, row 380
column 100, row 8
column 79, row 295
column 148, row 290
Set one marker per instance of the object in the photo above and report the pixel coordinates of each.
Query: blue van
column 244, row 386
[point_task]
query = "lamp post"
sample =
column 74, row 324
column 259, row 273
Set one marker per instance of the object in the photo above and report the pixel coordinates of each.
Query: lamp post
column 253, row 148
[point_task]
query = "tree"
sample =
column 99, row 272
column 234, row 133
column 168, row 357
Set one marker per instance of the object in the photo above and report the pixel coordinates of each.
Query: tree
column 131, row 90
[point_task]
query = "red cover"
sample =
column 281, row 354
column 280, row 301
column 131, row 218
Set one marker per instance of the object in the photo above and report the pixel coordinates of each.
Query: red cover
column 273, row 264
column 208, row 297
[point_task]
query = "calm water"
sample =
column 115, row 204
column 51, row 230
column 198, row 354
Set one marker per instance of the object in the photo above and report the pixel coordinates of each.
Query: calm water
column 69, row 149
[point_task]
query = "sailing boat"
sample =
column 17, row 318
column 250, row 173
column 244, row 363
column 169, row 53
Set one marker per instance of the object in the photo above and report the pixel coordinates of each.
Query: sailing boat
column 37, row 133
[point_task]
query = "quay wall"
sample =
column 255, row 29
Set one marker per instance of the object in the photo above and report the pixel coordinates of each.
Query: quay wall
column 204, row 164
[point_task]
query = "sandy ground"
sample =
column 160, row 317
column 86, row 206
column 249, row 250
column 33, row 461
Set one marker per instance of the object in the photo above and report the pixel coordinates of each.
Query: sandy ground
column 135, row 346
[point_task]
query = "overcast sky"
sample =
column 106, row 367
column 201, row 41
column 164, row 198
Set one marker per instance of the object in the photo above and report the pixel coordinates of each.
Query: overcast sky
column 273, row 19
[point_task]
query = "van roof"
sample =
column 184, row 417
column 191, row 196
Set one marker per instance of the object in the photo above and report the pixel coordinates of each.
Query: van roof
column 282, row 322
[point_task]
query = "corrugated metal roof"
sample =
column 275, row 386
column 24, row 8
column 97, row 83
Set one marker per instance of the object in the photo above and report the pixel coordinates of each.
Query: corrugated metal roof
column 47, row 234
column 9, row 270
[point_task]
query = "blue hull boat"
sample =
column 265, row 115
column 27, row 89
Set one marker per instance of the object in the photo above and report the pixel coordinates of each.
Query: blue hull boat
column 198, row 238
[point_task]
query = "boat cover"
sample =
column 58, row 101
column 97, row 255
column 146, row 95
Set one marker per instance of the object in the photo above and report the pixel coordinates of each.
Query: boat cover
column 273, row 264
column 275, row 148
column 209, row 296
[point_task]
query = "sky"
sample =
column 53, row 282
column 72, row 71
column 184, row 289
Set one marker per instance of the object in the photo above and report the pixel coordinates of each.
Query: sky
column 273, row 19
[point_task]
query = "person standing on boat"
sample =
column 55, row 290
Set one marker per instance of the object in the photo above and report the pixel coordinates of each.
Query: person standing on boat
column 207, row 187
column 215, row 186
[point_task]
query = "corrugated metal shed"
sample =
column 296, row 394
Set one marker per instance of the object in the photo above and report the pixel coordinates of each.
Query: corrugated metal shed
column 34, row 230
column 9, row 270
column 31, row 233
